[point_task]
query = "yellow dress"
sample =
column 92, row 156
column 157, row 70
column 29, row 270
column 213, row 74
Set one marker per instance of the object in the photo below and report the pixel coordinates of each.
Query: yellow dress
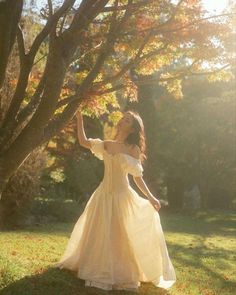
column 118, row 241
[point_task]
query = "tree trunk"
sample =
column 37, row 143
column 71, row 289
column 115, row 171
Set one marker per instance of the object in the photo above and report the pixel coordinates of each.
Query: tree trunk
column 10, row 13
column 32, row 135
column 175, row 193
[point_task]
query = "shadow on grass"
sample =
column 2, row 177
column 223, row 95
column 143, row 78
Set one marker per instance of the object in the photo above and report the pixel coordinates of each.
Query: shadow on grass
column 200, row 222
column 55, row 281
column 192, row 256
column 52, row 229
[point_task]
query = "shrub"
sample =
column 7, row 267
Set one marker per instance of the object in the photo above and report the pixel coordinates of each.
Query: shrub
column 22, row 187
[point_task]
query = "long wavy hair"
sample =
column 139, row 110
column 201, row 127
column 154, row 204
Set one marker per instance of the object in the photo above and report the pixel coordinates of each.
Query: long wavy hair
column 138, row 135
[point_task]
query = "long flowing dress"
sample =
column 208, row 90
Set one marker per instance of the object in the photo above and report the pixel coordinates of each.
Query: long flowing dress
column 118, row 241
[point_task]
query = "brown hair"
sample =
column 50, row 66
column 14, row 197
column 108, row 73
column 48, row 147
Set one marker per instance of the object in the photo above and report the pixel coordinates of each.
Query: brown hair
column 138, row 136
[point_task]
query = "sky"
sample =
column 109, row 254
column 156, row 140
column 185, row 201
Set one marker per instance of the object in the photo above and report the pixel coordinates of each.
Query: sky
column 213, row 6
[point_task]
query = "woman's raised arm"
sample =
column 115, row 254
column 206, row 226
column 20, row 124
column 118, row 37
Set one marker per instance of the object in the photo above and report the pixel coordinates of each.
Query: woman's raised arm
column 83, row 141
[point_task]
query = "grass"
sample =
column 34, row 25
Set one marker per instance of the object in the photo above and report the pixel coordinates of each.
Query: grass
column 202, row 247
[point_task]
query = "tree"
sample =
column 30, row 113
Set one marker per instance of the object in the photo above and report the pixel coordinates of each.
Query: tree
column 99, row 43
column 191, row 141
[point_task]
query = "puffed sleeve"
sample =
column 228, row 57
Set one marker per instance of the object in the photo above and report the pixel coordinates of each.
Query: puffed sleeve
column 132, row 166
column 97, row 147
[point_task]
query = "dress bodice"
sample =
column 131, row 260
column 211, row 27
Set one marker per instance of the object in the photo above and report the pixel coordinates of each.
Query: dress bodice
column 116, row 166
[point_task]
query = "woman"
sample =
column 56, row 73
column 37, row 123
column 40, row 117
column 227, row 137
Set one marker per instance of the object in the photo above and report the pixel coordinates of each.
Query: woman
column 118, row 241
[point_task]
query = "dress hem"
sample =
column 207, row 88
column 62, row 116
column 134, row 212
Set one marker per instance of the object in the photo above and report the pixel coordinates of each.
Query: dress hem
column 158, row 282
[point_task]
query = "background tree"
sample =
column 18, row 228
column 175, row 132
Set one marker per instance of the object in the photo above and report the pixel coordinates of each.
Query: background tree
column 191, row 141
column 101, row 42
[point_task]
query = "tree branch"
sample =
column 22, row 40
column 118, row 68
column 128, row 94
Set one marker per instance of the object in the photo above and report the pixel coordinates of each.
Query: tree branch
column 61, row 48
column 58, row 123
column 132, row 63
column 26, row 67
column 179, row 76
column 52, row 21
column 50, row 7
column 21, row 44
column 186, row 73
column 159, row 28
column 124, row 7
column 31, row 106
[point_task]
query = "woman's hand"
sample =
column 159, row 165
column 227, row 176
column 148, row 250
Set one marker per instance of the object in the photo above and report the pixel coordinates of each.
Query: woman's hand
column 155, row 203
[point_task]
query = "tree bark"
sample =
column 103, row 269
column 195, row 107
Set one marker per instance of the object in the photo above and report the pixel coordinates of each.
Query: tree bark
column 31, row 136
column 10, row 13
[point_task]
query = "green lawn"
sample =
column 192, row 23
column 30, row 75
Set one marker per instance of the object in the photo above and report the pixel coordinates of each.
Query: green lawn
column 202, row 247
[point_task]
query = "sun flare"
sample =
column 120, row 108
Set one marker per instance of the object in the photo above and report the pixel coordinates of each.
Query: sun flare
column 215, row 5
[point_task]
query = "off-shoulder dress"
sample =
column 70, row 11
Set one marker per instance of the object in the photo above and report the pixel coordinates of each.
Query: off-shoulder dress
column 118, row 241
